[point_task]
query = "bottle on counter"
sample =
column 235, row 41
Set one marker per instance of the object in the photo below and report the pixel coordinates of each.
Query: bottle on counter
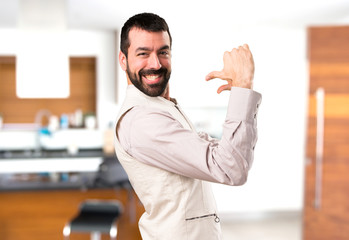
column 108, row 140
column 90, row 121
column 78, row 118
column 64, row 121
column 53, row 123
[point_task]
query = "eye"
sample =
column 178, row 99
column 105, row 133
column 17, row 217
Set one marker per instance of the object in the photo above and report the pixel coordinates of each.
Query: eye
column 142, row 54
column 164, row 53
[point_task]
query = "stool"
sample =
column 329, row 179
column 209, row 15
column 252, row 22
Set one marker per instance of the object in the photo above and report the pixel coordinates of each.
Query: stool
column 95, row 217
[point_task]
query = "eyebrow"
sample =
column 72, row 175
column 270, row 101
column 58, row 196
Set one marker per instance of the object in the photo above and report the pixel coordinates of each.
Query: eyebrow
column 165, row 47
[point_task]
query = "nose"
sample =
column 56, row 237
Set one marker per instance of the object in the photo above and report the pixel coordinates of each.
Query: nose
column 154, row 62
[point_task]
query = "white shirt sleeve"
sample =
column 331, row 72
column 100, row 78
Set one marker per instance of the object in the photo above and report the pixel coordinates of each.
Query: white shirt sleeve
column 156, row 138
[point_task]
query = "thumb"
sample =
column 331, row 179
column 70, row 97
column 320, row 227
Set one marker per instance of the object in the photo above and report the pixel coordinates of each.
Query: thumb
column 223, row 88
column 214, row 74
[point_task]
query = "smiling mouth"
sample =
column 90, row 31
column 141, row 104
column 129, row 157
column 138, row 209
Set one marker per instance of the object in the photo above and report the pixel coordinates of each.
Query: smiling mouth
column 152, row 79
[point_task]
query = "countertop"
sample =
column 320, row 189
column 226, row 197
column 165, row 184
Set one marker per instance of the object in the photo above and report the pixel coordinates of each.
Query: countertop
column 33, row 154
column 54, row 170
column 50, row 161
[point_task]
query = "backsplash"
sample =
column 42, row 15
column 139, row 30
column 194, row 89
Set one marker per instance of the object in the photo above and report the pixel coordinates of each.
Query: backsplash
column 82, row 93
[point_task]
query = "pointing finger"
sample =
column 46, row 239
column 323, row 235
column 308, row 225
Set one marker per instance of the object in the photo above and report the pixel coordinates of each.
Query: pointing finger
column 214, row 74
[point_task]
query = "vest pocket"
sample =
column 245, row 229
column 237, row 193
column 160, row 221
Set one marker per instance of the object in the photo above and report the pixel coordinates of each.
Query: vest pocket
column 216, row 218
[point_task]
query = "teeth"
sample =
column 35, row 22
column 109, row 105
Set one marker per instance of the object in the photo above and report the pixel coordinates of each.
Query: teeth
column 152, row 77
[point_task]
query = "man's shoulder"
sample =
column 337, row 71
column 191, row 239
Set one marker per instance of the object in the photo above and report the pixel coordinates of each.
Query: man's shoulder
column 145, row 114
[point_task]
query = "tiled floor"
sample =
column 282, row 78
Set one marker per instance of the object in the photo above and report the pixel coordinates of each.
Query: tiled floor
column 285, row 226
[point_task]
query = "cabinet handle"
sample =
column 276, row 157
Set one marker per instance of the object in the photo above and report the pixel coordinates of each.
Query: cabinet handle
column 320, row 123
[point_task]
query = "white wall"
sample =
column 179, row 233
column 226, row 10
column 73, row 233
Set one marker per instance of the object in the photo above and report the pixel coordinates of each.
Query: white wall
column 100, row 44
column 276, row 179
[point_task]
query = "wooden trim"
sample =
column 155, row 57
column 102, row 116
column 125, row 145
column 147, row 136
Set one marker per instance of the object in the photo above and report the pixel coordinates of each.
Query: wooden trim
column 7, row 59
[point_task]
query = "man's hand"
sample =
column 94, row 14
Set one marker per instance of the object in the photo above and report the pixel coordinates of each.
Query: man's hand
column 238, row 69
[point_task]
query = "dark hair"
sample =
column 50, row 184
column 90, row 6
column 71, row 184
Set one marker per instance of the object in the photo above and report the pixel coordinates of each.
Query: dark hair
column 146, row 21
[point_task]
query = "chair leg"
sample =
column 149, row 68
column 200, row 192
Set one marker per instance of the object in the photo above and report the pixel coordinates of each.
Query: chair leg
column 66, row 232
column 95, row 236
column 113, row 232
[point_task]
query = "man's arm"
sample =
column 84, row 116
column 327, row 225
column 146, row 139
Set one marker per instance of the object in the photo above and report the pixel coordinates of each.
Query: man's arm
column 154, row 137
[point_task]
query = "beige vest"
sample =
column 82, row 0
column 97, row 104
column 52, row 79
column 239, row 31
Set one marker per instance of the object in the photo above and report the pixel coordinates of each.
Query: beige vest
column 176, row 207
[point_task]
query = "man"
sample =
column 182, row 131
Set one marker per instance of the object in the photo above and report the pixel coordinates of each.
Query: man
column 169, row 165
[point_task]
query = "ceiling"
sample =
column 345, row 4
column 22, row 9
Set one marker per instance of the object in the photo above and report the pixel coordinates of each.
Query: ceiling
column 110, row 14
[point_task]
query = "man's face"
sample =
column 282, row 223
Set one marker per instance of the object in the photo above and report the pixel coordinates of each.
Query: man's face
column 148, row 65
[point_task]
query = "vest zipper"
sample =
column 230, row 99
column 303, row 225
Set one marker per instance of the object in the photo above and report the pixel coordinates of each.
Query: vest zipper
column 216, row 219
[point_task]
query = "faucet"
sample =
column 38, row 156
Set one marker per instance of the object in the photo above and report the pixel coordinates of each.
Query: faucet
column 38, row 123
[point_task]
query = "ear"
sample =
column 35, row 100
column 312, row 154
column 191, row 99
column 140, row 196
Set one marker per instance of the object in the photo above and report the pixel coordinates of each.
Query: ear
column 122, row 61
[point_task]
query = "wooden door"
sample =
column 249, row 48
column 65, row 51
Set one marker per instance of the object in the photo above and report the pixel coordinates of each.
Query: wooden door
column 326, row 208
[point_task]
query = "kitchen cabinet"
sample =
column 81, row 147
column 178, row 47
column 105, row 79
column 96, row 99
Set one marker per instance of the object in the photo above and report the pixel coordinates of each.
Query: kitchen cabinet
column 35, row 205
column 41, row 215
column 326, row 207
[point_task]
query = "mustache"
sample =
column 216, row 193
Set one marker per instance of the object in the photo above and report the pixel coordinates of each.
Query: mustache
column 153, row 71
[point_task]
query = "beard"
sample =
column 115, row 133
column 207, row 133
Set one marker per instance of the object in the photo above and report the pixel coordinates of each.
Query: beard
column 152, row 90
